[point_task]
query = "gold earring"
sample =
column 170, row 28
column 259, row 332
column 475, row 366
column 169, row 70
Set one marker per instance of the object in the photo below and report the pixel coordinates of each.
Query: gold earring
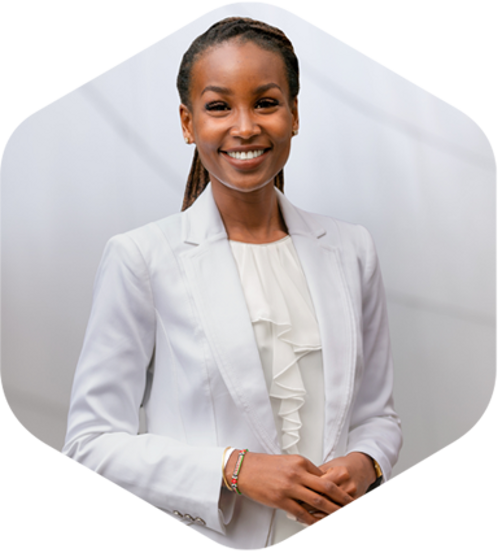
column 295, row 132
column 187, row 140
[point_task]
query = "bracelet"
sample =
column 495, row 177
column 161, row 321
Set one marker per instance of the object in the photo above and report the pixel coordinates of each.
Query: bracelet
column 223, row 465
column 236, row 471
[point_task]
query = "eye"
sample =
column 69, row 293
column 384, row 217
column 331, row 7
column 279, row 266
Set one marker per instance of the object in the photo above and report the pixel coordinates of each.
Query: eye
column 266, row 103
column 216, row 106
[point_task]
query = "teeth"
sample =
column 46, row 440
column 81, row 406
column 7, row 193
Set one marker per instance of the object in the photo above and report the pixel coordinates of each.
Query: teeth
column 245, row 154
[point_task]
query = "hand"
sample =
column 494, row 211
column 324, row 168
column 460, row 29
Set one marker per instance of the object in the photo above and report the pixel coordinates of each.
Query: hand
column 353, row 474
column 287, row 481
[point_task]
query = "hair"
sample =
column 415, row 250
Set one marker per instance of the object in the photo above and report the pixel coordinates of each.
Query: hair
column 245, row 29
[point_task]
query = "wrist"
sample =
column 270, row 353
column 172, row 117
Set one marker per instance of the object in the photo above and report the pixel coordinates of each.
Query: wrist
column 370, row 466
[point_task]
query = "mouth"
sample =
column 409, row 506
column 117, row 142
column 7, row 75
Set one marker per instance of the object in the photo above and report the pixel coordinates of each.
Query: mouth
column 252, row 154
column 244, row 158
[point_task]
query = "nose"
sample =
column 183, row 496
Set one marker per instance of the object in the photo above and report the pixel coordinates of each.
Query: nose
column 244, row 126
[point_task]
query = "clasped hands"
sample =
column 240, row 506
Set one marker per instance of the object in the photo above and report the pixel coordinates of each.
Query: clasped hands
column 294, row 484
column 353, row 474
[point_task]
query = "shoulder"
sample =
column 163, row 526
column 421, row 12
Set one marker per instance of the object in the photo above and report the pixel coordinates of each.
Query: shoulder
column 340, row 234
column 149, row 235
column 352, row 242
column 138, row 247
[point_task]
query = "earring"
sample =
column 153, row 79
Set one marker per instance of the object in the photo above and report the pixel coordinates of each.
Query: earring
column 187, row 140
column 295, row 132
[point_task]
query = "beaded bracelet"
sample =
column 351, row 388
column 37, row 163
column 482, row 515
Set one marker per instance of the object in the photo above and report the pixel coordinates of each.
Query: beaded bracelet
column 236, row 471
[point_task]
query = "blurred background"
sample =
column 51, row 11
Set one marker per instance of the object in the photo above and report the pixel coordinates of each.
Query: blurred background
column 373, row 149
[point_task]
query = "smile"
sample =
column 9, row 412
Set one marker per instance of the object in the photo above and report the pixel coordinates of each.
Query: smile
column 245, row 154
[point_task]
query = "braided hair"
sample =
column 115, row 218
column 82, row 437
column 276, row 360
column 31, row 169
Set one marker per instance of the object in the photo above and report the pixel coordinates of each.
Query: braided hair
column 245, row 29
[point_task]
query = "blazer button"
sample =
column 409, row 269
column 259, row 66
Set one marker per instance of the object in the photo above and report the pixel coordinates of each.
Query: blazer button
column 189, row 518
column 200, row 521
column 177, row 513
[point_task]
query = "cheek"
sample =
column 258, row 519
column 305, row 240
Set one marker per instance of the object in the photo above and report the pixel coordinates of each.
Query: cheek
column 206, row 144
column 206, row 133
column 282, row 138
column 282, row 129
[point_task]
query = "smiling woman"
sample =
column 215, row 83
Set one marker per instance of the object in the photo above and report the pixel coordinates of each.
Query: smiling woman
column 254, row 334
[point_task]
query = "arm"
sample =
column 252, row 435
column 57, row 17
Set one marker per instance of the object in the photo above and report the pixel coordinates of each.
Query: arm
column 108, row 390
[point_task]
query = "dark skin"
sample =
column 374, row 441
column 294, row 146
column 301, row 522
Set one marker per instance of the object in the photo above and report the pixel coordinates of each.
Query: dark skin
column 242, row 119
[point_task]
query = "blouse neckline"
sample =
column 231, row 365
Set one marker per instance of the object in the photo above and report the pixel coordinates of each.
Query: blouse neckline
column 285, row 238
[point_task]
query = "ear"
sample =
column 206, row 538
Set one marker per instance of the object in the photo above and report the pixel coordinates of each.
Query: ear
column 187, row 124
column 295, row 115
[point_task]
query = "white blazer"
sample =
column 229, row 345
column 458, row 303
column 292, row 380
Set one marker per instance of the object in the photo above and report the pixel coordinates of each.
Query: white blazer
column 168, row 300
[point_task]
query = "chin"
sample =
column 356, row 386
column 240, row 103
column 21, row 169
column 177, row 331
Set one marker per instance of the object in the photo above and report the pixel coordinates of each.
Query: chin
column 244, row 187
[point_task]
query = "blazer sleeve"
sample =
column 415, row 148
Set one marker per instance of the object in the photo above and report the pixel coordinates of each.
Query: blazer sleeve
column 108, row 389
column 375, row 428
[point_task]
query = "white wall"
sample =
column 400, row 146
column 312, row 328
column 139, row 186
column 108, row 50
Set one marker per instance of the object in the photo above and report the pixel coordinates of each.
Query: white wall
column 372, row 149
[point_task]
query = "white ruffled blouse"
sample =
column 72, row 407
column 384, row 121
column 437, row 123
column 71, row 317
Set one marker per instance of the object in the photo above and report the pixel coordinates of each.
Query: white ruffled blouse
column 288, row 340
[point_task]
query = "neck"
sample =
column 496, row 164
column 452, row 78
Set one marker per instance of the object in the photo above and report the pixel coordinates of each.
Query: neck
column 251, row 217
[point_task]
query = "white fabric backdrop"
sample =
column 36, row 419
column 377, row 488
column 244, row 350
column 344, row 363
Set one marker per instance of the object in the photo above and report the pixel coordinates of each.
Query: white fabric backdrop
column 416, row 172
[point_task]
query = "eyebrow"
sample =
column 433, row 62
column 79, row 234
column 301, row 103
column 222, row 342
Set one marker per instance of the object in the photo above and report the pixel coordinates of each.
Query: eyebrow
column 227, row 91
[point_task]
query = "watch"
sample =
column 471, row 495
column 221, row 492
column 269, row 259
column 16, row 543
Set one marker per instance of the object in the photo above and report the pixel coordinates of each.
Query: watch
column 378, row 473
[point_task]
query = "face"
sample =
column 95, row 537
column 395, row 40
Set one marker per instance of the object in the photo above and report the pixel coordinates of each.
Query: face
column 241, row 118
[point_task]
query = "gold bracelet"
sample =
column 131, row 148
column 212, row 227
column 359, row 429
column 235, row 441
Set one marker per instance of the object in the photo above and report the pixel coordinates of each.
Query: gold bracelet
column 223, row 469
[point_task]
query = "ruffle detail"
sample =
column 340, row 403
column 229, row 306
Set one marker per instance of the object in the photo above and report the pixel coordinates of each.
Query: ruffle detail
column 277, row 296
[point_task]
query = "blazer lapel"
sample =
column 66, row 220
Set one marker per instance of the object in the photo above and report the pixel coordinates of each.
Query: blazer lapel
column 217, row 292
column 321, row 263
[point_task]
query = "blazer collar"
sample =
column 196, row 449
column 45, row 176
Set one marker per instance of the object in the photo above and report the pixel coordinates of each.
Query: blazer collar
column 203, row 220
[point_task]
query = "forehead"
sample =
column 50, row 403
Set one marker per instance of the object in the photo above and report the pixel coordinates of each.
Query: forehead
column 237, row 65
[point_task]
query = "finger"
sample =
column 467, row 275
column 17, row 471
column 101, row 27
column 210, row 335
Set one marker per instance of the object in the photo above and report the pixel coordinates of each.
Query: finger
column 313, row 511
column 343, row 480
column 310, row 509
column 328, row 488
column 337, row 474
column 306, row 464
column 316, row 502
column 336, row 493
column 318, row 515
column 299, row 513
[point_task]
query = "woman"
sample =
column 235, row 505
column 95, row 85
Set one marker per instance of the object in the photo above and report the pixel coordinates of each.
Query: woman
column 242, row 323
